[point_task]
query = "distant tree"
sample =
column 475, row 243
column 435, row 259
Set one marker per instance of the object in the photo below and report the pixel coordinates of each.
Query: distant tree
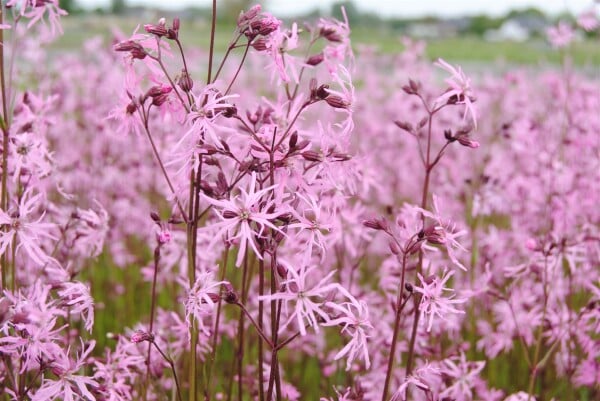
column 229, row 10
column 69, row 6
column 352, row 12
column 480, row 24
column 118, row 6
column 529, row 12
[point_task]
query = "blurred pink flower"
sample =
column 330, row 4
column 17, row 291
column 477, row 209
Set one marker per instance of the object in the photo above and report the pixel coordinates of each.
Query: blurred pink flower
column 561, row 35
column 68, row 386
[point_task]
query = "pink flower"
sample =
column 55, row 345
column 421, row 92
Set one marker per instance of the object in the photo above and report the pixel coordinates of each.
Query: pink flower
column 433, row 303
column 307, row 300
column 201, row 299
column 355, row 322
column 420, row 378
column 69, row 386
column 26, row 230
column 464, row 374
column 245, row 218
column 312, row 222
column 77, row 296
column 561, row 35
column 443, row 233
column 460, row 91
column 588, row 20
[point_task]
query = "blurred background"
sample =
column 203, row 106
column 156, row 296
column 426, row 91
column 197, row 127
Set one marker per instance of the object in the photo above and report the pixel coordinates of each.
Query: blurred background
column 504, row 31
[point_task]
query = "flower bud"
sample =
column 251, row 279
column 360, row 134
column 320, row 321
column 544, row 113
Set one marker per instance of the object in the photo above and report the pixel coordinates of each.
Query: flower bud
column 337, row 102
column 140, row 336
column 316, row 59
column 465, row 140
column 312, row 156
column 185, row 82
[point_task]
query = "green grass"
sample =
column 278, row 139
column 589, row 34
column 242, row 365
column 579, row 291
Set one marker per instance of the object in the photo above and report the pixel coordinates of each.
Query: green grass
column 457, row 49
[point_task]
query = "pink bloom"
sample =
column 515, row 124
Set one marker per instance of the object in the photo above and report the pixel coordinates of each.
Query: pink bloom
column 27, row 231
column 561, row 35
column 307, row 300
column 355, row 321
column 244, row 218
column 312, row 222
column 588, row 20
column 419, row 378
column 460, row 90
column 433, row 303
column 443, row 233
column 201, row 299
column 69, row 386
column 77, row 296
column 464, row 374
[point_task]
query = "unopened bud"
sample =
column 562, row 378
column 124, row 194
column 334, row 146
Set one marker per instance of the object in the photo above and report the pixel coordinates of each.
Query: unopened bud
column 315, row 59
column 403, row 125
column 158, row 29
column 140, row 336
column 293, row 140
column 394, row 248
column 185, row 82
column 465, row 140
column 337, row 102
column 377, row 224
column 155, row 217
column 312, row 156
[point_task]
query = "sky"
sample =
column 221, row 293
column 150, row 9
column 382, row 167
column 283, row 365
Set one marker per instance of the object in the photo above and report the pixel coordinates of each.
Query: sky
column 396, row 8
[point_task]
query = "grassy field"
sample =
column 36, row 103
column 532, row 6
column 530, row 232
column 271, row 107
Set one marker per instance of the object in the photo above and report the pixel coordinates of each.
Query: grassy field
column 457, row 49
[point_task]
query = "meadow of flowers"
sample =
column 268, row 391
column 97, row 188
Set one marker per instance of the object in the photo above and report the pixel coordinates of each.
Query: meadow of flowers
column 289, row 219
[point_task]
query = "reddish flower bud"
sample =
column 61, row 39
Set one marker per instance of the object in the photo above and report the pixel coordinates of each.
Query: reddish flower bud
column 185, row 82
column 156, row 29
column 468, row 142
column 312, row 156
column 316, row 59
column 140, row 336
column 403, row 125
column 377, row 224
column 337, row 102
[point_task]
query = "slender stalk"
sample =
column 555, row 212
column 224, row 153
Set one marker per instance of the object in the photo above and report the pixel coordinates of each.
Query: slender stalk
column 172, row 365
column 399, row 308
column 424, row 197
column 144, row 118
column 232, row 46
column 4, row 121
column 258, row 329
column 212, row 40
column 152, row 311
column 215, row 332
column 241, row 331
column 261, row 291
column 239, row 68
